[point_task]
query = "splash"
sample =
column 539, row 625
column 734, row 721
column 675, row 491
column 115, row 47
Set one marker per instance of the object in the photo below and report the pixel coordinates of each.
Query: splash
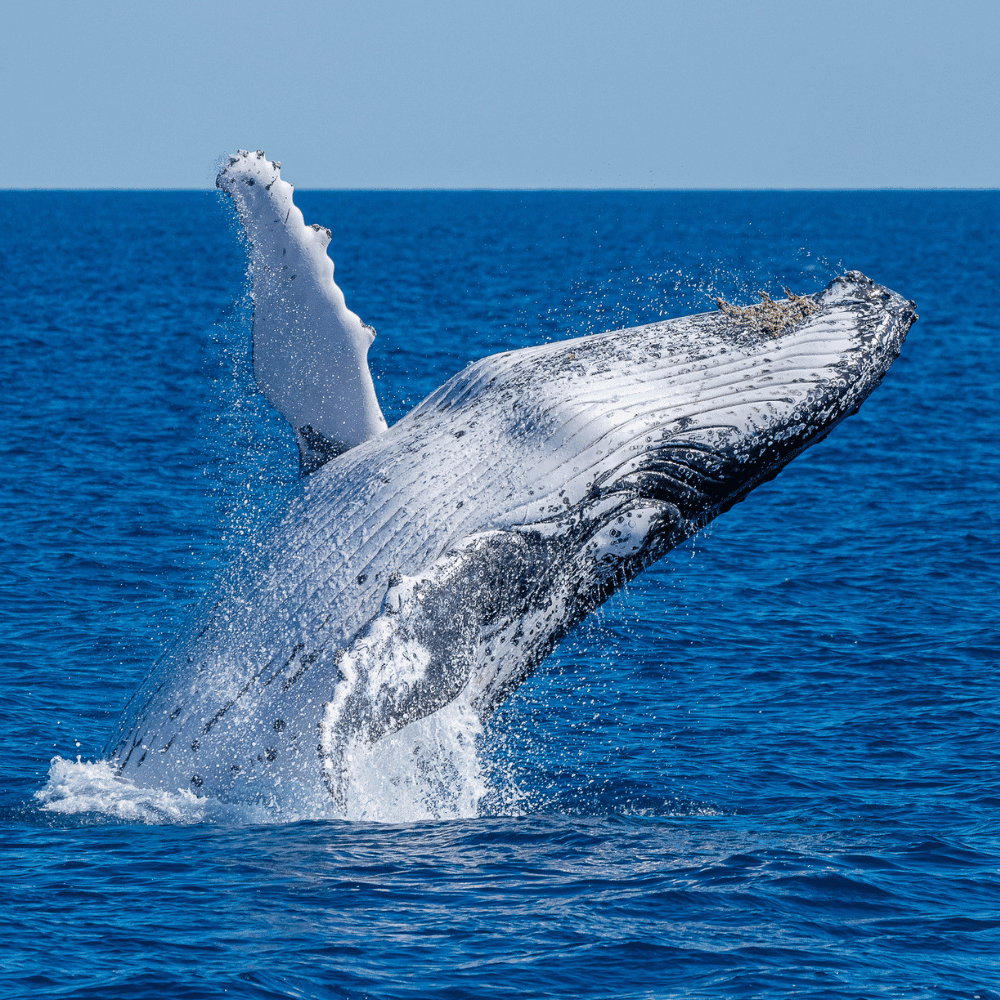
column 83, row 786
column 429, row 770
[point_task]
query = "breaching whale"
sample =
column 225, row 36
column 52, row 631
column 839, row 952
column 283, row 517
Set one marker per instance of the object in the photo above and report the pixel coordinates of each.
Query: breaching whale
column 446, row 556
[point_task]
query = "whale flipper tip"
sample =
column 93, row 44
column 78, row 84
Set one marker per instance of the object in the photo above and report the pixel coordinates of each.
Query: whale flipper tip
column 250, row 169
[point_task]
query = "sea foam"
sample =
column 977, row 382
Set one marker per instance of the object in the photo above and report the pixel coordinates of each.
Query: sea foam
column 430, row 770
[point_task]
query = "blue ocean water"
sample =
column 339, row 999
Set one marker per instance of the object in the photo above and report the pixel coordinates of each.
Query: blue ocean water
column 767, row 769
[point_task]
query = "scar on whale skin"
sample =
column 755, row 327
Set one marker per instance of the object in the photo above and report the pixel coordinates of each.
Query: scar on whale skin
column 439, row 561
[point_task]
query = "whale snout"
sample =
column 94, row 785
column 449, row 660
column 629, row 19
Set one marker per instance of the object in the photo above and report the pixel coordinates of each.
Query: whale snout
column 787, row 391
column 891, row 314
column 689, row 415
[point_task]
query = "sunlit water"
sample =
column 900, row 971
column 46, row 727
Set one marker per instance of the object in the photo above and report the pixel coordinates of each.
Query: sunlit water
column 768, row 769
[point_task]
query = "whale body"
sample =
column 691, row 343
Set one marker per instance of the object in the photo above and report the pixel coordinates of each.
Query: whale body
column 444, row 557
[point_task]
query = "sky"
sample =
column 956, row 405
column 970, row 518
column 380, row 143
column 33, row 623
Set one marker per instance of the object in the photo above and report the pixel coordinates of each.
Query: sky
column 506, row 94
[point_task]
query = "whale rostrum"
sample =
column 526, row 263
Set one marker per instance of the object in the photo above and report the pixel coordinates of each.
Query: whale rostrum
column 447, row 555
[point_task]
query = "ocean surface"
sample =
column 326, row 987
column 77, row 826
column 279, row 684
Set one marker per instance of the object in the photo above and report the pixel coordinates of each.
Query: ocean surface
column 766, row 769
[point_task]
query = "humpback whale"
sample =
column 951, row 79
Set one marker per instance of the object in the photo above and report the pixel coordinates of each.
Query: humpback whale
column 445, row 557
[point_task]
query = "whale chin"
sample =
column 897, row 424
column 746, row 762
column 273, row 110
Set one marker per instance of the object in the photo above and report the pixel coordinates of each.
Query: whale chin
column 443, row 559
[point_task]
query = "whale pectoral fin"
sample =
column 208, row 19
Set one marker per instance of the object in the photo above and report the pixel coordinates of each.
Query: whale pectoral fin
column 417, row 653
column 310, row 352
column 483, row 616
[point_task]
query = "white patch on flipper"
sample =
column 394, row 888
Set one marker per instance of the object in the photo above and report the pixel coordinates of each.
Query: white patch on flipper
column 310, row 352
column 389, row 663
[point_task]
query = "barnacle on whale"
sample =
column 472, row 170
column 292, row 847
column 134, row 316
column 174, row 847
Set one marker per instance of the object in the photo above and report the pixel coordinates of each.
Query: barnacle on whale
column 769, row 316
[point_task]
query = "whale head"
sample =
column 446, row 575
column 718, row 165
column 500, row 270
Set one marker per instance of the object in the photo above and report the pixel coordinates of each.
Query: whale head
column 687, row 415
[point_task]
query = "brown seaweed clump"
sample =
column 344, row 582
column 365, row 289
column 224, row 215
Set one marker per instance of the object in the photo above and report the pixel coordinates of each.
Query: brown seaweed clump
column 768, row 316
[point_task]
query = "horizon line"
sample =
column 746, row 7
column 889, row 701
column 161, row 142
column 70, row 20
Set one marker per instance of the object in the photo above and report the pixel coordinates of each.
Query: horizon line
column 520, row 190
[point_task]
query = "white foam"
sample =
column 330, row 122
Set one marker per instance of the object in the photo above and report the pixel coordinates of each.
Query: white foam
column 83, row 786
column 429, row 770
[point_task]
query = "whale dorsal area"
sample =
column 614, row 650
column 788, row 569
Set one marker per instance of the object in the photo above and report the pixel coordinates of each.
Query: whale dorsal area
column 310, row 352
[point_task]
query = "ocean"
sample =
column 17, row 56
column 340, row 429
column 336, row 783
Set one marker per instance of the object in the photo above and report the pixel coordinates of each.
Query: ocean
column 767, row 768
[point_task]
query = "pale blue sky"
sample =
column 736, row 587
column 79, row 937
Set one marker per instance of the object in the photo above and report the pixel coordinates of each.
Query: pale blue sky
column 542, row 94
